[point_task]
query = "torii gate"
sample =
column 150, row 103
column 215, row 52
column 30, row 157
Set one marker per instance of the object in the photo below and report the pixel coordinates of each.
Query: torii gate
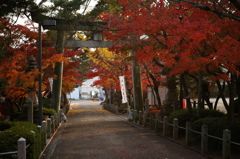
column 96, row 28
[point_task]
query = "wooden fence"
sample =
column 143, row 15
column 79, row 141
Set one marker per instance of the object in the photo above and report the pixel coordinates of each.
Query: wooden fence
column 49, row 126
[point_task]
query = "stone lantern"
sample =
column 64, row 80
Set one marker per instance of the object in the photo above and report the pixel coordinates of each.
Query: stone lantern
column 31, row 99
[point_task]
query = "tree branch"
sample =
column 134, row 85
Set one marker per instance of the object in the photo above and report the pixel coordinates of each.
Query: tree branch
column 222, row 14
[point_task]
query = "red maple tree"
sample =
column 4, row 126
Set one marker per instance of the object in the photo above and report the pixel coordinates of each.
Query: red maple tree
column 181, row 40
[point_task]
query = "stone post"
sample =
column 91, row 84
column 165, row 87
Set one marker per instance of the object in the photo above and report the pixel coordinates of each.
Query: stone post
column 60, row 115
column 56, row 120
column 40, row 136
column 53, row 123
column 147, row 105
column 204, row 139
column 44, row 125
column 156, row 122
column 226, row 146
column 151, row 121
column 165, row 125
column 145, row 119
column 188, row 133
column 134, row 116
column 175, row 129
column 22, row 148
column 34, row 144
column 48, row 128
column 140, row 118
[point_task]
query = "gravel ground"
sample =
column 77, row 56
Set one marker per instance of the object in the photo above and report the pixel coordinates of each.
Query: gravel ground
column 93, row 133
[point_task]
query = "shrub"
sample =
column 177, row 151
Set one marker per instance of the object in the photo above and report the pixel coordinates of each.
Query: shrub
column 46, row 102
column 5, row 125
column 203, row 113
column 183, row 115
column 16, row 130
column 216, row 125
column 48, row 112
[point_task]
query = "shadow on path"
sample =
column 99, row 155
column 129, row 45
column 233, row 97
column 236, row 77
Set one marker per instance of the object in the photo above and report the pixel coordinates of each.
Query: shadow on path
column 93, row 133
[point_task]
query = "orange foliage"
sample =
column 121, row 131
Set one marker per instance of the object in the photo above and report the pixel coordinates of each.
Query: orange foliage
column 18, row 43
column 154, row 110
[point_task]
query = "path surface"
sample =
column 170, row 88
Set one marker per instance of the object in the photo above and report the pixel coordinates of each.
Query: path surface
column 93, row 133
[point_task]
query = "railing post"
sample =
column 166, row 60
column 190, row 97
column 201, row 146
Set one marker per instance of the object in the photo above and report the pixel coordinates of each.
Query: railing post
column 60, row 115
column 40, row 136
column 151, row 121
column 226, row 145
column 44, row 125
column 52, row 123
column 146, row 105
column 22, row 148
column 145, row 119
column 48, row 128
column 34, row 150
column 156, row 122
column 165, row 125
column 175, row 129
column 160, row 122
column 204, row 139
column 140, row 117
column 56, row 120
column 134, row 116
column 188, row 132
column 116, row 109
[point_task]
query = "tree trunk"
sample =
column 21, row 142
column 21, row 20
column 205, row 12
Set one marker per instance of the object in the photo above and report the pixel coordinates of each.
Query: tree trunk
column 137, row 85
column 171, row 96
column 186, row 94
column 221, row 94
column 206, row 94
column 232, row 88
column 200, row 91
column 156, row 95
column 238, row 94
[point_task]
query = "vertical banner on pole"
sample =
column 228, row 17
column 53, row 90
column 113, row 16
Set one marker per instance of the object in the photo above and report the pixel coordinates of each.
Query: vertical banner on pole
column 123, row 89
column 124, row 96
column 50, row 82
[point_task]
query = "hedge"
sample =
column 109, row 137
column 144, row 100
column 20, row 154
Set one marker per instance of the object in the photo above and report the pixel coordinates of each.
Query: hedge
column 46, row 103
column 10, row 133
column 217, row 125
column 183, row 115
column 48, row 112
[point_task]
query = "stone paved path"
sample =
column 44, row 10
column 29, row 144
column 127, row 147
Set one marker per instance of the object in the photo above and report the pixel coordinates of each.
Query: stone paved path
column 93, row 133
